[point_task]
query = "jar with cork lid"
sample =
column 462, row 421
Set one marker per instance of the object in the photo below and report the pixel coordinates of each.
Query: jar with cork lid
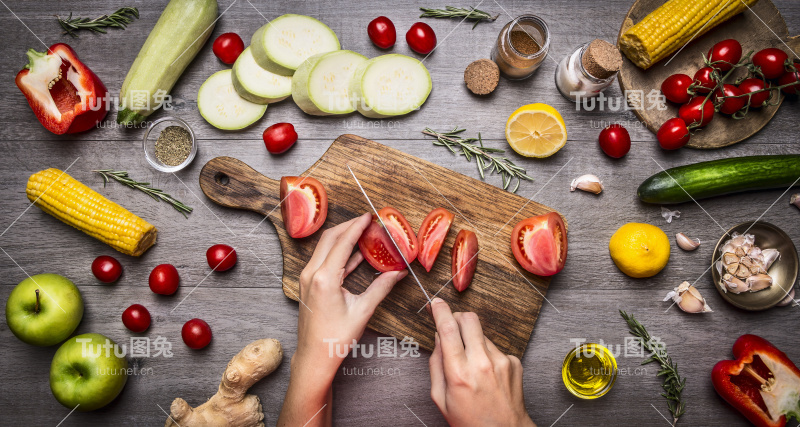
column 588, row 70
column 521, row 47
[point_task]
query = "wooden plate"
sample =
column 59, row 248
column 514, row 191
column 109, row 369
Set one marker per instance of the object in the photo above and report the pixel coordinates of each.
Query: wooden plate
column 783, row 271
column 748, row 29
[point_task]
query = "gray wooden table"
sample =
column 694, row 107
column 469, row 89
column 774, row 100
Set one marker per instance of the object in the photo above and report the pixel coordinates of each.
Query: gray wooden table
column 247, row 303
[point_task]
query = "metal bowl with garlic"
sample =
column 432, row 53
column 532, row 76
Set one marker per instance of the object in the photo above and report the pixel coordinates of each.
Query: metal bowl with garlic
column 754, row 266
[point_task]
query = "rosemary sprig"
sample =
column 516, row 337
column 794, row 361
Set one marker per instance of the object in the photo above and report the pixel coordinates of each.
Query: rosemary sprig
column 119, row 19
column 466, row 147
column 157, row 195
column 470, row 13
column 673, row 383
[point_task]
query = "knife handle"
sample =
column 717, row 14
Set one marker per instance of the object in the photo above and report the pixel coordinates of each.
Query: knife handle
column 234, row 184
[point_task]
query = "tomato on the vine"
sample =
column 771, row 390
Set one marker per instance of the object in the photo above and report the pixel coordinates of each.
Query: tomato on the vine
column 791, row 78
column 673, row 134
column 697, row 110
column 726, row 54
column 752, row 85
column 421, row 38
column 704, row 80
column 676, row 88
column 615, row 141
column 771, row 61
column 382, row 32
column 732, row 101
column 227, row 47
column 279, row 137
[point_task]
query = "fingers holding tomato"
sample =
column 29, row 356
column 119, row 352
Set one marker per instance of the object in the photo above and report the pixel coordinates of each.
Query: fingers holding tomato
column 377, row 247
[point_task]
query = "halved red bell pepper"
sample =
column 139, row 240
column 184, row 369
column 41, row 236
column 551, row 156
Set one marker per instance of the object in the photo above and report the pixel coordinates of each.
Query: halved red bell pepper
column 762, row 383
column 65, row 95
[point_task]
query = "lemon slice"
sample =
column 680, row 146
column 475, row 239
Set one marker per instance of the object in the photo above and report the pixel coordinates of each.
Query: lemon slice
column 536, row 130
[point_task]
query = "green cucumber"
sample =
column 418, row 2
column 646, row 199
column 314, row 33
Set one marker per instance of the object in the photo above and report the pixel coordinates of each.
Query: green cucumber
column 179, row 34
column 321, row 85
column 390, row 85
column 256, row 84
column 285, row 42
column 222, row 107
column 719, row 177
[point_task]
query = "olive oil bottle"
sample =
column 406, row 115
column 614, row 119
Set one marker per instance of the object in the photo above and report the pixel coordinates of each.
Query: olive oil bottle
column 589, row 371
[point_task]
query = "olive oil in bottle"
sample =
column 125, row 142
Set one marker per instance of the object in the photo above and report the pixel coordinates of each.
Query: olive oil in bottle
column 589, row 371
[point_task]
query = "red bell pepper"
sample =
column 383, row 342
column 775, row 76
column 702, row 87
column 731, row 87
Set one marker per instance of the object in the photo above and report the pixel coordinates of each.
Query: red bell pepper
column 65, row 95
column 762, row 383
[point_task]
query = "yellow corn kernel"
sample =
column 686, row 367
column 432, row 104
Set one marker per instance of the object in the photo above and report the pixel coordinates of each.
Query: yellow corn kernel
column 75, row 204
column 673, row 25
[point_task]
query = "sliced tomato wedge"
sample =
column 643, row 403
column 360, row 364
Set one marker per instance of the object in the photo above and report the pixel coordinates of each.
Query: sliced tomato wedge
column 378, row 249
column 465, row 259
column 539, row 244
column 304, row 205
column 432, row 234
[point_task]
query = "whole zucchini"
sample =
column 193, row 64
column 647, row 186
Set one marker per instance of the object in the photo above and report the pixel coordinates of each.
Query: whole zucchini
column 718, row 177
column 181, row 31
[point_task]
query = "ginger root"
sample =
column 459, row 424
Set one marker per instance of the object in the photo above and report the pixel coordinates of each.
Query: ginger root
column 232, row 406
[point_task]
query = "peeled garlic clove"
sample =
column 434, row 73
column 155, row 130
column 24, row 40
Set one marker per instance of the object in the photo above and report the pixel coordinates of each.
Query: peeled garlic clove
column 795, row 200
column 759, row 282
column 747, row 262
column 743, row 272
column 740, row 252
column 788, row 300
column 733, row 284
column 729, row 258
column 685, row 243
column 669, row 215
column 732, row 268
column 689, row 299
column 588, row 183
column 770, row 256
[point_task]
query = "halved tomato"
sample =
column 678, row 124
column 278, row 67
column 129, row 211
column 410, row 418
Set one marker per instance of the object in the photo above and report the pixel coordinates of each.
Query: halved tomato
column 539, row 244
column 304, row 205
column 378, row 249
column 465, row 259
column 432, row 234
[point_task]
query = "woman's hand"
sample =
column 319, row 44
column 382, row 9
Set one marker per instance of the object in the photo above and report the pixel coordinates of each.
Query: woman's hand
column 472, row 382
column 330, row 319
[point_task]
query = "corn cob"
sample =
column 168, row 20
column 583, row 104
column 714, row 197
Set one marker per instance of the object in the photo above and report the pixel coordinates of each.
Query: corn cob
column 673, row 25
column 75, row 204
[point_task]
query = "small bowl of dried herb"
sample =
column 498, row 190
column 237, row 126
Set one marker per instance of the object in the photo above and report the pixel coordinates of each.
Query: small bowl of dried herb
column 169, row 144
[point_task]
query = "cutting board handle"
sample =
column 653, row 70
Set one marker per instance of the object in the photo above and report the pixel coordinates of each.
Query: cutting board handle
column 232, row 183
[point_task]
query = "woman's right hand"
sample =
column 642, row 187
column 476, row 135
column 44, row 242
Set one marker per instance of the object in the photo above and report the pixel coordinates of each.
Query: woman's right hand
column 472, row 382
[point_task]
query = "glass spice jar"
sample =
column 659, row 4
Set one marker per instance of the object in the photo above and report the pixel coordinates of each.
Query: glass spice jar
column 574, row 81
column 521, row 47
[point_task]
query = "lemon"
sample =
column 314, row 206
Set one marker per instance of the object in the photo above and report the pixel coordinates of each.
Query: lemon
column 639, row 250
column 536, row 130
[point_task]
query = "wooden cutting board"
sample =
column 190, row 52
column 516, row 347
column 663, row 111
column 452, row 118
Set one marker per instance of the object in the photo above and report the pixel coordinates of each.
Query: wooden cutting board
column 506, row 298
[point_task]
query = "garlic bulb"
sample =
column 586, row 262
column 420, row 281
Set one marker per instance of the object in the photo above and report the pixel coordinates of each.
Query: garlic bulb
column 588, row 183
column 743, row 265
column 688, row 299
column 685, row 243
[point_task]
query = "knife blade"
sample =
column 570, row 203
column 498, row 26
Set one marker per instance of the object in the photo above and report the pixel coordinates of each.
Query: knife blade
column 389, row 234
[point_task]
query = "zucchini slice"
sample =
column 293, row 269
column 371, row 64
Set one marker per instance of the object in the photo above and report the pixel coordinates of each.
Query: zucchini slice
column 256, row 84
column 390, row 85
column 321, row 86
column 222, row 107
column 284, row 43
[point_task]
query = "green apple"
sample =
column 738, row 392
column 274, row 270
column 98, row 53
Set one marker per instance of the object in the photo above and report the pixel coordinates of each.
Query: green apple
column 44, row 309
column 86, row 373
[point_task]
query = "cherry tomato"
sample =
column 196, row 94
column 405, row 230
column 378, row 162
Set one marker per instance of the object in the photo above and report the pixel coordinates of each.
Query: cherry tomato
column 726, row 53
column 381, row 31
column 421, row 38
column 279, row 137
column 673, row 134
column 730, row 105
column 106, row 269
column 695, row 111
column 615, row 141
column 136, row 318
column 164, row 279
column 464, row 259
column 432, row 235
column 539, row 244
column 228, row 47
column 703, row 80
column 757, row 100
column 789, row 78
column 378, row 249
column 196, row 334
column 771, row 61
column 676, row 88
column 304, row 205
column 221, row 257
